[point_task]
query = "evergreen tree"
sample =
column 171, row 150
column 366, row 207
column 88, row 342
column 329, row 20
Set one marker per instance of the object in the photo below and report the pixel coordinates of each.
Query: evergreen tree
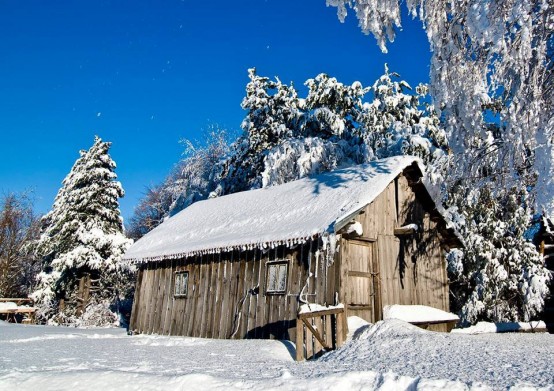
column 81, row 243
column 500, row 276
column 272, row 115
column 287, row 137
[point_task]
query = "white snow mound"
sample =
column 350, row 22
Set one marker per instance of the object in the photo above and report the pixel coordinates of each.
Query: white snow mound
column 417, row 313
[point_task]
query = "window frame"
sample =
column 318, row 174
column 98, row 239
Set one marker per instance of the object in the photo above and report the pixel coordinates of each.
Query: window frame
column 276, row 263
column 177, row 275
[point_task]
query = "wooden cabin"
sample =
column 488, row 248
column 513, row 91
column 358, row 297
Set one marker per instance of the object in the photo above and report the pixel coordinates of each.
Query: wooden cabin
column 239, row 266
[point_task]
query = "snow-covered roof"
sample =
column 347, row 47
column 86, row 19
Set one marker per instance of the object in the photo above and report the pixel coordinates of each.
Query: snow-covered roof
column 285, row 214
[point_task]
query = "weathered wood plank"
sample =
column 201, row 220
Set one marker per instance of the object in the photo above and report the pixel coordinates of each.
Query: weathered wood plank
column 253, row 298
column 218, row 286
column 261, row 304
column 165, row 281
column 196, row 311
column 204, row 289
column 328, row 330
column 148, row 286
column 312, row 325
column 224, row 331
column 139, row 293
column 187, row 306
column 300, row 341
column 241, row 297
column 210, row 305
column 235, row 276
column 152, row 303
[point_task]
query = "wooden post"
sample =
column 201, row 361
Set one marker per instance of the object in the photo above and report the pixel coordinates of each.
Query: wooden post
column 299, row 340
column 340, row 329
column 80, row 305
column 328, row 331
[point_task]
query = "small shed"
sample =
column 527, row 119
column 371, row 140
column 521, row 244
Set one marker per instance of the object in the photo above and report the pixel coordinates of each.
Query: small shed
column 240, row 266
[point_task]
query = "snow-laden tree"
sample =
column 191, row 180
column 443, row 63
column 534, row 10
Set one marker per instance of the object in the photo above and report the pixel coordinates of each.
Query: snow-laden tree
column 501, row 276
column 287, row 137
column 493, row 85
column 192, row 179
column 81, row 244
column 492, row 69
column 272, row 115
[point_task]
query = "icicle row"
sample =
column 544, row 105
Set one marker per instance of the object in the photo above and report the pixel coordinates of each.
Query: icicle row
column 263, row 246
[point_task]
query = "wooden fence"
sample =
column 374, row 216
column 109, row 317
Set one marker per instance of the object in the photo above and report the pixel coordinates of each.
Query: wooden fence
column 319, row 331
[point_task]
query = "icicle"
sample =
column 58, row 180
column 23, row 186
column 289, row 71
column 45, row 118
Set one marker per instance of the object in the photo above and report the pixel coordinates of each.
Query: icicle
column 316, row 254
column 303, row 298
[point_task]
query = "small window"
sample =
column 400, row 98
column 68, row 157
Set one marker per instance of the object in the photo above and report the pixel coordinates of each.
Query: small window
column 276, row 282
column 181, row 284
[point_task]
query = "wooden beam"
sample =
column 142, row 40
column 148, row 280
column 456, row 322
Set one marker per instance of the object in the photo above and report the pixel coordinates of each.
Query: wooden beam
column 361, row 306
column 406, row 230
column 313, row 314
column 354, row 273
column 316, row 334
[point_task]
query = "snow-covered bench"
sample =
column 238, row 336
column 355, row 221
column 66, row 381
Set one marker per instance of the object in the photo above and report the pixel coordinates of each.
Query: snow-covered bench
column 12, row 307
column 428, row 318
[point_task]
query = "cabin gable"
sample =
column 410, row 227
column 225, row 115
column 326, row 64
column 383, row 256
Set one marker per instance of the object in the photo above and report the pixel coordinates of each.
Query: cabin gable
column 386, row 265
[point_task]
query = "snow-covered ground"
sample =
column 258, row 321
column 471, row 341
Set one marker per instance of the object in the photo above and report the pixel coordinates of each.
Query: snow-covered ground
column 391, row 355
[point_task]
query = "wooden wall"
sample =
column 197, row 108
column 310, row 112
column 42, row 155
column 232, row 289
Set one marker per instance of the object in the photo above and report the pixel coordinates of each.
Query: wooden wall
column 411, row 269
column 218, row 283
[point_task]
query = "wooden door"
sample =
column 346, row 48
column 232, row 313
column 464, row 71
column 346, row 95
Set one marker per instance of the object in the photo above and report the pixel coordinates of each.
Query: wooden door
column 362, row 281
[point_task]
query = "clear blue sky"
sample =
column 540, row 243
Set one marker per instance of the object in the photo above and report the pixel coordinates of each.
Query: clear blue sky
column 145, row 74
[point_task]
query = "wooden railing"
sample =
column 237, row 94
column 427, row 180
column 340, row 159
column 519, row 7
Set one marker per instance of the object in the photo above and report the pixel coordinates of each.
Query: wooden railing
column 319, row 331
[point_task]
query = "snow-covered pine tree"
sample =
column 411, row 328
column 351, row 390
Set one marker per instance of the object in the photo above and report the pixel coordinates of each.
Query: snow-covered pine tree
column 81, row 243
column 287, row 137
column 273, row 115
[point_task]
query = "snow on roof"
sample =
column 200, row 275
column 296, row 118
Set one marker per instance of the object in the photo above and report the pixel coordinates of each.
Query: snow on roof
column 289, row 214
